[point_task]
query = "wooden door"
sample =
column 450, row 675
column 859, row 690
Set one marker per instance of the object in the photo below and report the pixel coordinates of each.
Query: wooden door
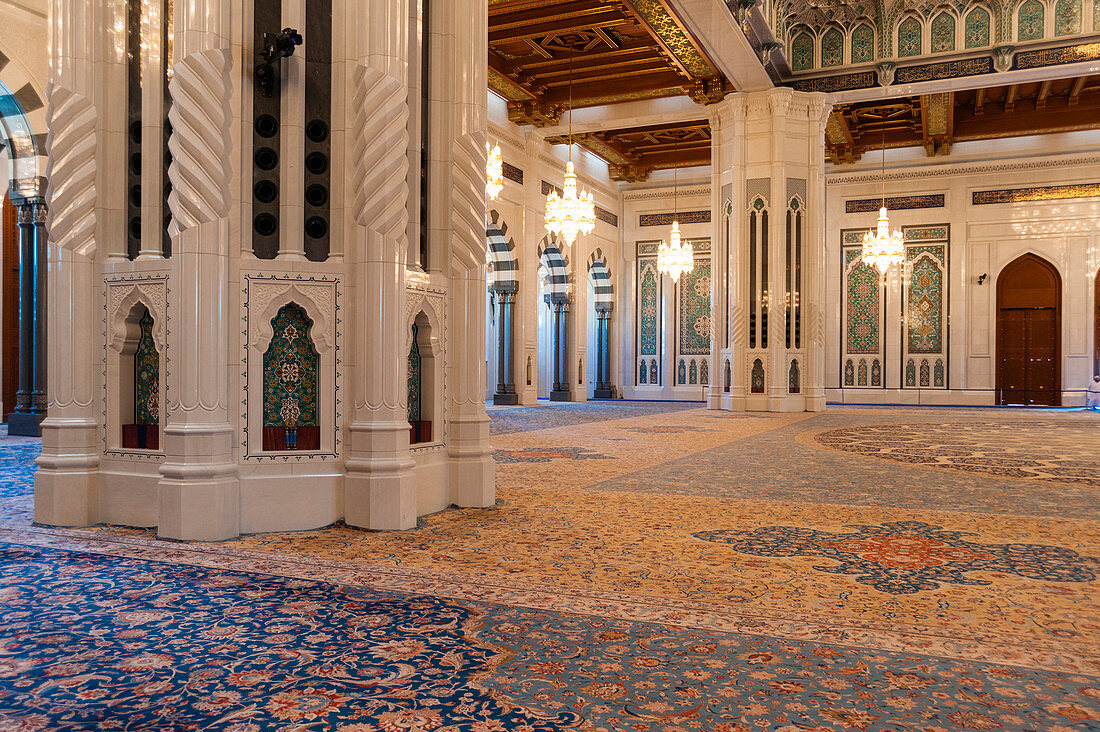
column 9, row 327
column 1029, row 318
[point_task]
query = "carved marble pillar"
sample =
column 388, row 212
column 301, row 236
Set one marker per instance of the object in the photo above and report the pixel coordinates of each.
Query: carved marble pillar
column 65, row 485
column 199, row 486
column 604, row 388
column 505, row 297
column 30, row 405
column 380, row 487
column 462, row 77
column 561, row 391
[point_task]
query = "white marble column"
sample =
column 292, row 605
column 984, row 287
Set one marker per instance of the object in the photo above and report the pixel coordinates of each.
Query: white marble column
column 380, row 488
column 199, row 487
column 67, row 478
column 771, row 143
column 463, row 66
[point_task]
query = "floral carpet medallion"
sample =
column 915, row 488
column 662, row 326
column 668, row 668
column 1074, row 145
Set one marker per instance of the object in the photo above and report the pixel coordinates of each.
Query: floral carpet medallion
column 904, row 557
column 546, row 454
column 1005, row 449
column 104, row 643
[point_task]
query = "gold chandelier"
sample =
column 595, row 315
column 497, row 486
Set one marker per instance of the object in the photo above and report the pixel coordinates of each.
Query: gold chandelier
column 676, row 257
column 882, row 248
column 494, row 172
column 573, row 212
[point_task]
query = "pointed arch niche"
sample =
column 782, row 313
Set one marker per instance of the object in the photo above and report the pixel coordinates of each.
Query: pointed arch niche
column 290, row 365
column 136, row 358
column 424, row 375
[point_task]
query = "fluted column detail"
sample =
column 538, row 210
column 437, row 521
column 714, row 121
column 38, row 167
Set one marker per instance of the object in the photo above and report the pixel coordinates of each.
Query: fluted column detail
column 199, row 487
column 380, row 487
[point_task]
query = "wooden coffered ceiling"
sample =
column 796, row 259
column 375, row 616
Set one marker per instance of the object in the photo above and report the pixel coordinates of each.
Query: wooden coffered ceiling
column 613, row 51
column 935, row 121
column 635, row 153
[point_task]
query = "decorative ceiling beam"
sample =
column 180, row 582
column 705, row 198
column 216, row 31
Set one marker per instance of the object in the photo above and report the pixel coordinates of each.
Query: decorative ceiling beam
column 537, row 14
column 1010, row 98
column 1075, row 90
column 979, row 102
column 605, row 19
column 937, row 116
column 1044, row 92
column 840, row 146
column 670, row 34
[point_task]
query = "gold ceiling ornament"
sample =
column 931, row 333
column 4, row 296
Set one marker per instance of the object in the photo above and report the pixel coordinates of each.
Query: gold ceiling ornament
column 574, row 211
column 494, row 172
column 676, row 257
column 882, row 248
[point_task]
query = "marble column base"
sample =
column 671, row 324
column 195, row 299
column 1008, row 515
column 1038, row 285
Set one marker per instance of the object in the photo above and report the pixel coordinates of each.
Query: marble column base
column 561, row 396
column 505, row 398
column 380, row 489
column 25, row 424
column 67, row 480
column 472, row 470
column 199, row 489
column 608, row 393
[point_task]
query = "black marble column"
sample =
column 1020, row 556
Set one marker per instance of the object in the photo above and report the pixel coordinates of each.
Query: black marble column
column 560, row 392
column 604, row 388
column 31, row 400
column 505, row 297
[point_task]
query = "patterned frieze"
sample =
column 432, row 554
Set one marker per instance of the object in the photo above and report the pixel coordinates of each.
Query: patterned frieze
column 944, row 70
column 512, row 173
column 837, row 83
column 1056, row 56
column 666, row 219
column 894, row 203
column 1035, row 193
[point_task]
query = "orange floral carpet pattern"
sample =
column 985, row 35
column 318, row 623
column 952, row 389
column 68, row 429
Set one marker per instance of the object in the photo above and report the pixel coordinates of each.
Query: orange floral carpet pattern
column 625, row 522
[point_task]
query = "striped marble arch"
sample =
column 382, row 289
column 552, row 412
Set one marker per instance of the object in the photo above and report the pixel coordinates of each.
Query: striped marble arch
column 601, row 277
column 558, row 266
column 23, row 126
column 504, row 268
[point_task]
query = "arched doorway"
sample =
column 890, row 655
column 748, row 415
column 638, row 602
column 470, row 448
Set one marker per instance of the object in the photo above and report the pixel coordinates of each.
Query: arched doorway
column 1029, row 322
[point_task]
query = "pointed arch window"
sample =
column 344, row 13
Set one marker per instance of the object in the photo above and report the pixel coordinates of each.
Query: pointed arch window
column 943, row 32
column 832, row 48
column 1067, row 17
column 802, row 52
column 977, row 28
column 290, row 383
column 909, row 37
column 1030, row 21
column 863, row 44
column 141, row 421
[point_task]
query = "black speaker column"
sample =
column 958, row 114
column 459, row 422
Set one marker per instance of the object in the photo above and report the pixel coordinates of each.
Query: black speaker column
column 133, row 129
column 318, row 115
column 266, row 117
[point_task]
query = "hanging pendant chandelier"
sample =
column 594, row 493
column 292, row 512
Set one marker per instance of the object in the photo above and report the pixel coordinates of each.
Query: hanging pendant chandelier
column 494, row 172
column 574, row 211
column 676, row 257
column 882, row 248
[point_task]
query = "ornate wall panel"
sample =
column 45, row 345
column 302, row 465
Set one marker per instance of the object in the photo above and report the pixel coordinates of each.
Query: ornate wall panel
column 943, row 32
column 864, row 311
column 264, row 299
column 832, row 48
column 863, row 44
column 1067, row 17
column 802, row 52
column 1029, row 21
column 925, row 307
column 649, row 317
column 694, row 321
column 146, row 375
column 977, row 33
column 909, row 37
column 291, row 371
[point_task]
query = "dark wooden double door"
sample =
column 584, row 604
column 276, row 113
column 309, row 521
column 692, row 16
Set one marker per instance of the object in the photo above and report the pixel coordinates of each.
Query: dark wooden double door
column 1029, row 321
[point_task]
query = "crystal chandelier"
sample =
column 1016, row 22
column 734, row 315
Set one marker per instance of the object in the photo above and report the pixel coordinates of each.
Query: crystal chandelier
column 494, row 172
column 572, row 212
column 675, row 258
column 881, row 248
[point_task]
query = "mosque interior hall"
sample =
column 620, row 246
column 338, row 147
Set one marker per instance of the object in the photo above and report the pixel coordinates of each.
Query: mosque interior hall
column 539, row 365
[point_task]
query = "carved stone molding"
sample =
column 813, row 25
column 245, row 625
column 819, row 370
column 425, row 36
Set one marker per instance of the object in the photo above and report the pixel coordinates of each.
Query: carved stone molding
column 200, row 170
column 378, row 153
column 658, row 195
column 971, row 169
column 71, row 169
column 124, row 294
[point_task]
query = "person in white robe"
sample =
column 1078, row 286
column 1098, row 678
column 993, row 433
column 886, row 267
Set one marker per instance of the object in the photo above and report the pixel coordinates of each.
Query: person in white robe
column 1092, row 394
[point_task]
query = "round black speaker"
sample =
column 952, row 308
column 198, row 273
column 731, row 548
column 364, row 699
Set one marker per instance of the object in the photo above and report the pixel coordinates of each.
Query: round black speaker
column 135, row 227
column 316, row 195
column 266, row 158
column 265, row 224
column 135, row 131
column 135, row 195
column 266, row 125
column 316, row 227
column 317, row 130
column 316, row 163
column 135, row 164
column 265, row 191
